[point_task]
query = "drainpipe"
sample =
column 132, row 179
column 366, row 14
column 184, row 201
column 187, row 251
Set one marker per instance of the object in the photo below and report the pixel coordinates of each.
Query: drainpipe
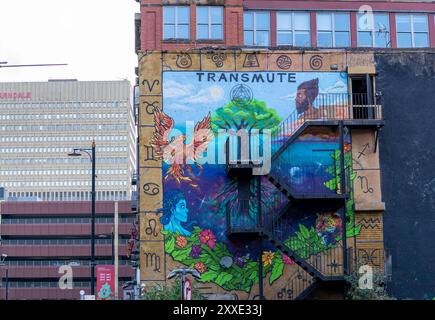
column 343, row 192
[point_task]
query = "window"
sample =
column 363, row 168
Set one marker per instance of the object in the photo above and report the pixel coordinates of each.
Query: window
column 256, row 26
column 376, row 35
column 209, row 23
column 412, row 30
column 293, row 28
column 176, row 22
column 333, row 29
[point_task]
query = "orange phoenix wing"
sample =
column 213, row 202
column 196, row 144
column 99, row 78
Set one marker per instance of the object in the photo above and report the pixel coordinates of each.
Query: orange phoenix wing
column 160, row 140
column 175, row 152
column 202, row 135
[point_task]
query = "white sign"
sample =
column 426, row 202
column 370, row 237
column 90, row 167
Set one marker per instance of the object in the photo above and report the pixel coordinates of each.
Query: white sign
column 89, row 297
column 187, row 290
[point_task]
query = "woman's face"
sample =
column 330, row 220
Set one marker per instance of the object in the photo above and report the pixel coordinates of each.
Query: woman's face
column 180, row 211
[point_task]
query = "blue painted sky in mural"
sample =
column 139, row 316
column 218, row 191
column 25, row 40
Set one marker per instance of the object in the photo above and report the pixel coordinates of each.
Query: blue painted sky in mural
column 186, row 98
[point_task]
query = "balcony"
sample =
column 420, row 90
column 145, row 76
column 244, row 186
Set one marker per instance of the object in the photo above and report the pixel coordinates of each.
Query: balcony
column 242, row 152
column 243, row 218
column 355, row 110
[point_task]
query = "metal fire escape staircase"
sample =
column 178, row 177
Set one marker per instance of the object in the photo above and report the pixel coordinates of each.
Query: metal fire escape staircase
column 270, row 222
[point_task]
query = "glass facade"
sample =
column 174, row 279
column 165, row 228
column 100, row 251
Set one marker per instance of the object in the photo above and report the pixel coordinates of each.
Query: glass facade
column 37, row 134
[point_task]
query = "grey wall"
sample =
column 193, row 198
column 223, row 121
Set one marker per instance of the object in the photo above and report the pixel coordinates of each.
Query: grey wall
column 407, row 150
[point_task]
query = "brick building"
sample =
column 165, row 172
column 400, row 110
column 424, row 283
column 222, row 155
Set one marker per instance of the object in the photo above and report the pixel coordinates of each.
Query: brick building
column 40, row 237
column 42, row 122
column 336, row 169
column 322, row 24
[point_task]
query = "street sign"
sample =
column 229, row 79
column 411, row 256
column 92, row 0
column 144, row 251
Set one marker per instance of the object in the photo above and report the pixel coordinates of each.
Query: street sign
column 187, row 289
column 105, row 282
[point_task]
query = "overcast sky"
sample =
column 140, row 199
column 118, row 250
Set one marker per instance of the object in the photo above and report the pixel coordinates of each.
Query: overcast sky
column 95, row 38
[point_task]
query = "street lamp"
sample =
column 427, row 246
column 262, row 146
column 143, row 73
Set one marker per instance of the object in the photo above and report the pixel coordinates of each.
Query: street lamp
column 3, row 64
column 91, row 153
column 2, row 263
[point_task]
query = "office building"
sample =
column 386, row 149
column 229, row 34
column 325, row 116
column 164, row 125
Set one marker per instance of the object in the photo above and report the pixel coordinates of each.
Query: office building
column 42, row 122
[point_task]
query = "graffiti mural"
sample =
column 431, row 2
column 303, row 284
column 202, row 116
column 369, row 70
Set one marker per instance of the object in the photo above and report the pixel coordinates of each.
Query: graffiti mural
column 197, row 193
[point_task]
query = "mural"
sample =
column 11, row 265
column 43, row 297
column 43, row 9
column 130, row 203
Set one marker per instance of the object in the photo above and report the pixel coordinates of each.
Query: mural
column 198, row 194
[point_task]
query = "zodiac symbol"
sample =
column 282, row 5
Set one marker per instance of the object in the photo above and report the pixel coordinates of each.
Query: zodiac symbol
column 152, row 260
column 151, row 86
column 151, row 188
column 365, row 184
column 369, row 256
column 151, row 107
column 361, row 153
column 284, row 292
column 151, row 229
column 149, row 153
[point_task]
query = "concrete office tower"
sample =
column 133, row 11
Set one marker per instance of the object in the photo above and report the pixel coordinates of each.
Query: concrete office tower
column 41, row 122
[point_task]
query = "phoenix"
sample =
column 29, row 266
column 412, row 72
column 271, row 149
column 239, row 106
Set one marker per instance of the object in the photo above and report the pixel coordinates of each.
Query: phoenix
column 175, row 151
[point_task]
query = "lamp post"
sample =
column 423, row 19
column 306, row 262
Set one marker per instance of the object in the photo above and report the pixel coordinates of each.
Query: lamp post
column 91, row 153
column 183, row 272
column 3, row 64
column 2, row 263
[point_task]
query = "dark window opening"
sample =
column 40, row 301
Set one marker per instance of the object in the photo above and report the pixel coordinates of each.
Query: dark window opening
column 362, row 97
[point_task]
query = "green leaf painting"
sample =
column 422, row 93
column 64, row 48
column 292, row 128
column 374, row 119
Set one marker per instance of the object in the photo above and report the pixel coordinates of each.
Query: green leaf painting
column 217, row 264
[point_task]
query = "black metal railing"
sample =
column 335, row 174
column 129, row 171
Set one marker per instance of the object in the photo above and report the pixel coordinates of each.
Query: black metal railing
column 320, row 179
column 330, row 106
column 243, row 217
column 298, row 282
column 321, row 253
column 324, row 257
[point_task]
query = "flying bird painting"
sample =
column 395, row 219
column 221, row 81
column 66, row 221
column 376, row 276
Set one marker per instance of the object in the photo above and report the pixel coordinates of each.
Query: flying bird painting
column 175, row 152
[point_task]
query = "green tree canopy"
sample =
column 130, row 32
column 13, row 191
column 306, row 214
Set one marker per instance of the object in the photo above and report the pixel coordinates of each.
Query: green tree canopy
column 248, row 115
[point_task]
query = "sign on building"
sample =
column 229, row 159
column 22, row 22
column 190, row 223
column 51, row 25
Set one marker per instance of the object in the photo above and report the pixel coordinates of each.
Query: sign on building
column 105, row 282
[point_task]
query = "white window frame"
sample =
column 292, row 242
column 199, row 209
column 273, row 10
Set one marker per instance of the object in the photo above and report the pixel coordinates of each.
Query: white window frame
column 293, row 30
column 333, row 29
column 209, row 24
column 175, row 23
column 254, row 20
column 373, row 31
column 411, row 15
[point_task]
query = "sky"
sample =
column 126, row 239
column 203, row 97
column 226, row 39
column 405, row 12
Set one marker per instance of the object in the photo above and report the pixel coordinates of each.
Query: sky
column 94, row 37
column 183, row 93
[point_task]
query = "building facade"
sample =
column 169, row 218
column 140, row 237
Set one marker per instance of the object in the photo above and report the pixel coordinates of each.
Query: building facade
column 40, row 238
column 182, row 25
column 328, row 79
column 42, row 122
